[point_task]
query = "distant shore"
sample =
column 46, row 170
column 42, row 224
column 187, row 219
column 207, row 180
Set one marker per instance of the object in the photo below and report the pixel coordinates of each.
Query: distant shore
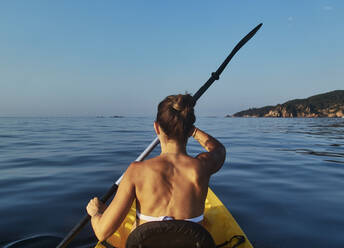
column 329, row 105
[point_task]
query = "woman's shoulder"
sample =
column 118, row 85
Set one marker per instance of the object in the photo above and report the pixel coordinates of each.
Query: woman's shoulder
column 161, row 164
column 139, row 166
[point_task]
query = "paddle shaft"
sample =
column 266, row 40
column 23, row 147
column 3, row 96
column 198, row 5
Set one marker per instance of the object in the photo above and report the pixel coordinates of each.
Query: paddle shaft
column 214, row 76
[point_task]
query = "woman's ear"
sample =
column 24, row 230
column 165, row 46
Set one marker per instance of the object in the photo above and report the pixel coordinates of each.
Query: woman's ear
column 156, row 128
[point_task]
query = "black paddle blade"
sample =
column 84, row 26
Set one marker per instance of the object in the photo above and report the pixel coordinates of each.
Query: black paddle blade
column 216, row 75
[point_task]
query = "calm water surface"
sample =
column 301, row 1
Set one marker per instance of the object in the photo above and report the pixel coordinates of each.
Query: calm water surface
column 283, row 179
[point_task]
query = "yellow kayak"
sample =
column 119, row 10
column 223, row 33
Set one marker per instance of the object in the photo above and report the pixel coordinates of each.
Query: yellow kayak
column 217, row 220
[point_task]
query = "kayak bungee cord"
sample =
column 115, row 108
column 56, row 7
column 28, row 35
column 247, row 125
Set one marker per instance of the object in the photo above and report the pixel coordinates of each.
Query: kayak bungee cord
column 214, row 76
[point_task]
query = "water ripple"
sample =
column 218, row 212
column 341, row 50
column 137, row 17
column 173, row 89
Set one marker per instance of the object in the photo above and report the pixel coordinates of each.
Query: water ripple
column 282, row 179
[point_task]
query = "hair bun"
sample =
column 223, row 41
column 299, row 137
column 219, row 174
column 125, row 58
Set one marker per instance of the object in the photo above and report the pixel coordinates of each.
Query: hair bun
column 182, row 102
column 177, row 107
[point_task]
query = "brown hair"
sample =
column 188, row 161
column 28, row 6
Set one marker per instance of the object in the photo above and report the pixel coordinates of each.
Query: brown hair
column 176, row 116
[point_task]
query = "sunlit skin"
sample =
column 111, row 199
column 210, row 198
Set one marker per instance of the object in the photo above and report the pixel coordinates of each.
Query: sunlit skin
column 171, row 184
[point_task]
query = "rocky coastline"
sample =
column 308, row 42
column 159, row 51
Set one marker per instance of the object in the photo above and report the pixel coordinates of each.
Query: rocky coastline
column 329, row 104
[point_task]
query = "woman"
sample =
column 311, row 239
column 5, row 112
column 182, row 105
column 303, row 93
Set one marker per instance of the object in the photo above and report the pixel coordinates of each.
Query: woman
column 172, row 185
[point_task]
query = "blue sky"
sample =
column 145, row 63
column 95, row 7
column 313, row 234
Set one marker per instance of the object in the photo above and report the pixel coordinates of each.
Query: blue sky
column 66, row 58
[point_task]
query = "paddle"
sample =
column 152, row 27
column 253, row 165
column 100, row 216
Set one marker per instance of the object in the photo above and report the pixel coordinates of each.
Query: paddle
column 214, row 76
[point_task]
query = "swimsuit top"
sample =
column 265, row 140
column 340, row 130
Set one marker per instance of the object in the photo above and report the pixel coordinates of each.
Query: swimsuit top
column 162, row 218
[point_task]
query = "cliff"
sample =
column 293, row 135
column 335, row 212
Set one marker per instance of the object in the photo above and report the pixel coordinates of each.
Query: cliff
column 330, row 104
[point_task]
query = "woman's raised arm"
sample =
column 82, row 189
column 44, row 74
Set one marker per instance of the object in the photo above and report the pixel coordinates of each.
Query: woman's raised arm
column 216, row 152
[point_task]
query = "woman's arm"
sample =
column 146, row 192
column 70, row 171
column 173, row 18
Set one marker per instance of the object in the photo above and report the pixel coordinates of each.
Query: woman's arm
column 106, row 223
column 216, row 152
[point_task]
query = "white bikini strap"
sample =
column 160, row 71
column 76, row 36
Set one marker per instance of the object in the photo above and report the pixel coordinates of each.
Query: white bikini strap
column 149, row 218
column 196, row 219
column 161, row 218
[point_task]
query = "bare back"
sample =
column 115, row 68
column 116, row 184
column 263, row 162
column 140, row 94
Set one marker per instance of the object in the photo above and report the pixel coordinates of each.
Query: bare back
column 172, row 185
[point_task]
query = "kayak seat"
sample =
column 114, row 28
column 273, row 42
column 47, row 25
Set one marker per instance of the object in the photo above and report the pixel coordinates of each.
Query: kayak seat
column 170, row 234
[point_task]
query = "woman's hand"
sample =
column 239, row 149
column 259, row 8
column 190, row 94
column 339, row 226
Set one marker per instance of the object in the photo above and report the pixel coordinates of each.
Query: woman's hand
column 95, row 207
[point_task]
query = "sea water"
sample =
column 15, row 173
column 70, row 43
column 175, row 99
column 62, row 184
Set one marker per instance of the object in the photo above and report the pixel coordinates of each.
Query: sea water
column 283, row 179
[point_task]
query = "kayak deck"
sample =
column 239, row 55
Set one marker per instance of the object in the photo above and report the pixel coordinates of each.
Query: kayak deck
column 217, row 220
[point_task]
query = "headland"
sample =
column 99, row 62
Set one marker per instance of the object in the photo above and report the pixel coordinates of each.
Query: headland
column 330, row 104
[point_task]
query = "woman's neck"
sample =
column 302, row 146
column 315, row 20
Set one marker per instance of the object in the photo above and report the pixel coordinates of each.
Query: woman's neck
column 172, row 147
